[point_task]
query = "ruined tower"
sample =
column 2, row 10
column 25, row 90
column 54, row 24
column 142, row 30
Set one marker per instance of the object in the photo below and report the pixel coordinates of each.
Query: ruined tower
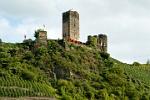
column 70, row 25
column 92, row 41
column 102, row 42
column 41, row 37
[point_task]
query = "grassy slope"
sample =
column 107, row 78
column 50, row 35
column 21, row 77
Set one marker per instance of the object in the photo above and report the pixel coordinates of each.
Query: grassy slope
column 141, row 73
column 79, row 73
column 138, row 72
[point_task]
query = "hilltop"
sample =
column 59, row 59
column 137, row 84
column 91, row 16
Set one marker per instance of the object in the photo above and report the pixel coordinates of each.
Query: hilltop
column 68, row 69
column 78, row 73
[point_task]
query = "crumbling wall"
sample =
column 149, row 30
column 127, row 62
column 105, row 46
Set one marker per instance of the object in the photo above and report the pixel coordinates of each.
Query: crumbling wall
column 41, row 38
column 100, row 42
column 92, row 41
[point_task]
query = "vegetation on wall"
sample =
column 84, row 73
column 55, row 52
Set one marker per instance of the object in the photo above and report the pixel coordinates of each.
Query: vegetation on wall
column 92, row 41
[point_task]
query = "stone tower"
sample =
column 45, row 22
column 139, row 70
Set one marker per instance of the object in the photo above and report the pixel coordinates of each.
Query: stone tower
column 41, row 37
column 102, row 42
column 70, row 25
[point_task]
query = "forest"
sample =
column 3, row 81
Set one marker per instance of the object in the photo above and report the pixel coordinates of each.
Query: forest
column 78, row 73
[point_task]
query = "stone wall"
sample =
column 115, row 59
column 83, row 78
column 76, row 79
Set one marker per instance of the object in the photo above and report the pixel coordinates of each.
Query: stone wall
column 71, row 25
column 92, row 41
column 99, row 42
column 102, row 42
column 41, row 38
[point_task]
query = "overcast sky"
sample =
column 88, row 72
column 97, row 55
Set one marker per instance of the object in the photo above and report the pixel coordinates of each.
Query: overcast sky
column 126, row 22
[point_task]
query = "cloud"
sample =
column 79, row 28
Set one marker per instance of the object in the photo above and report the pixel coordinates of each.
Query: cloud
column 27, row 8
column 125, row 22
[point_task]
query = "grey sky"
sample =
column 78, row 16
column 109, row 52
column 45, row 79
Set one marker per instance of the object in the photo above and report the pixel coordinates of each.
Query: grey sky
column 126, row 22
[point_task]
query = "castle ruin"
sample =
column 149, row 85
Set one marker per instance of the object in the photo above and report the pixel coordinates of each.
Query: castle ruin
column 98, row 41
column 70, row 33
column 41, row 37
column 70, row 25
column 102, row 42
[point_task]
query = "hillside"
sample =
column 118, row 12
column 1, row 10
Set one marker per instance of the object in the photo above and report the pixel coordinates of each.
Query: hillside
column 75, row 73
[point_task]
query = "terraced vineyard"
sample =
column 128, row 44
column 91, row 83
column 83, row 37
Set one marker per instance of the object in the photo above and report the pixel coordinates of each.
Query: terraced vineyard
column 19, row 88
column 141, row 72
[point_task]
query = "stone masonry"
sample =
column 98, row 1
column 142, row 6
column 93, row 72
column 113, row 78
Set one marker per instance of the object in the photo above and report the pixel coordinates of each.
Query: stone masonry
column 41, row 37
column 99, row 42
column 70, row 31
column 71, row 25
column 102, row 42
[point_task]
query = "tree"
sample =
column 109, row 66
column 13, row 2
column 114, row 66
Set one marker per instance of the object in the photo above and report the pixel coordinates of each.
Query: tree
column 28, row 55
column 148, row 62
column 136, row 64
column 92, row 41
column 28, row 43
column 41, row 51
column 28, row 75
column 36, row 34
column 105, row 55
column 0, row 41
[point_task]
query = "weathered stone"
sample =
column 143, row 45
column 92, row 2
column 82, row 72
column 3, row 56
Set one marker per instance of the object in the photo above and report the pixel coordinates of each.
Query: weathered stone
column 102, row 42
column 41, row 38
column 71, row 34
column 99, row 41
column 71, row 25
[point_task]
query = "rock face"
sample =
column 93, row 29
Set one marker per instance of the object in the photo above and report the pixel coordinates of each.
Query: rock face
column 71, row 25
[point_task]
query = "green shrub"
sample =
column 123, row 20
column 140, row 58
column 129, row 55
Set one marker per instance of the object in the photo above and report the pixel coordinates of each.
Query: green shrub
column 27, row 75
column 136, row 64
column 105, row 55
column 0, row 41
column 92, row 41
column 28, row 55
column 115, row 79
column 108, row 63
column 66, row 97
column 103, row 95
